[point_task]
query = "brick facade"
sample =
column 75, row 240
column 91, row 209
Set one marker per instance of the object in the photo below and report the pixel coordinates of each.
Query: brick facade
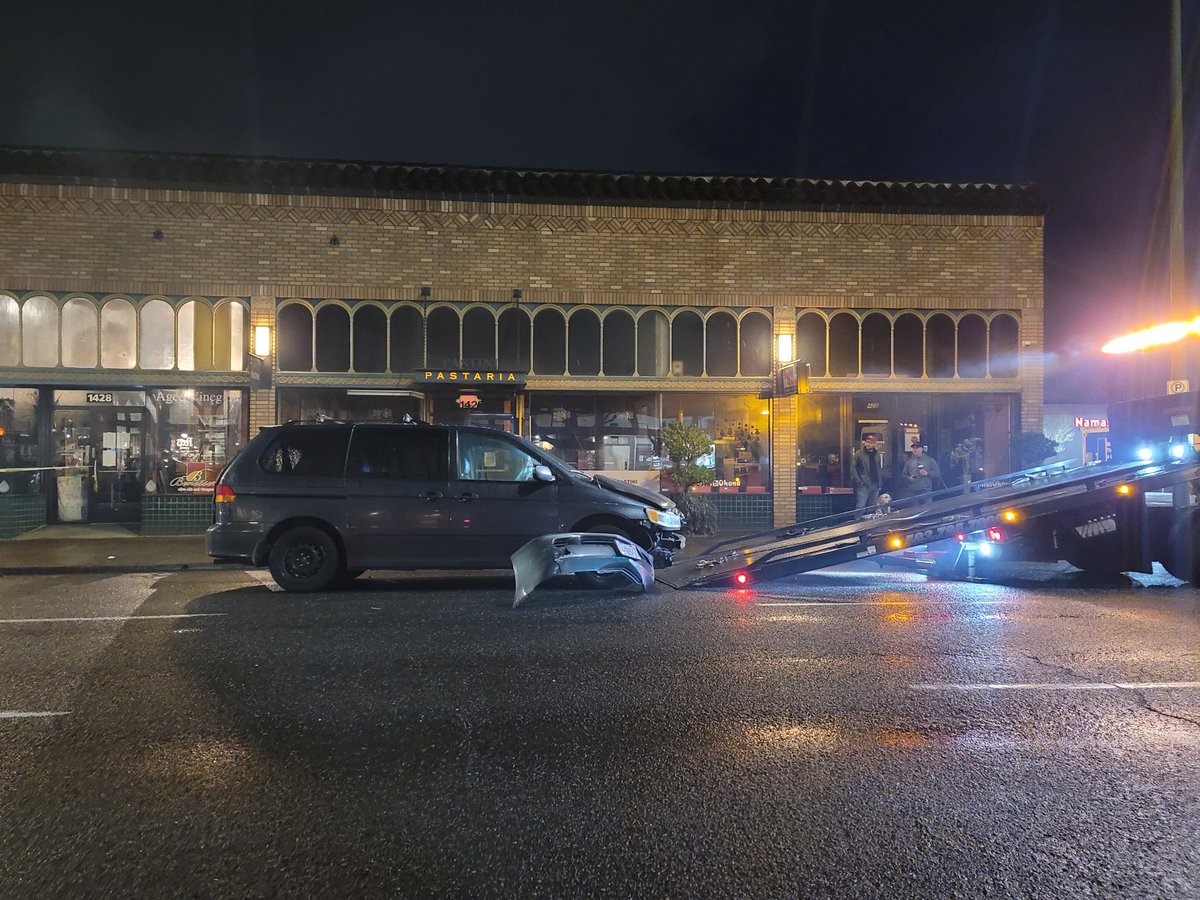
column 267, row 247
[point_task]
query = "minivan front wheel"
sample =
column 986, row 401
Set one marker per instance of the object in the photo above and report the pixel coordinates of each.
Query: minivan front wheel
column 305, row 559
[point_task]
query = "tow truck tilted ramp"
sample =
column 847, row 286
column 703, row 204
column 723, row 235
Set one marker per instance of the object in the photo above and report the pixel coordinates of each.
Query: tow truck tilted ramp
column 1066, row 504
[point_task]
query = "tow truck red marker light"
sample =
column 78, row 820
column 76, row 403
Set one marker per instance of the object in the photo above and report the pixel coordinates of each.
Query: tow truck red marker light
column 224, row 494
column 995, row 535
column 742, row 578
column 960, row 537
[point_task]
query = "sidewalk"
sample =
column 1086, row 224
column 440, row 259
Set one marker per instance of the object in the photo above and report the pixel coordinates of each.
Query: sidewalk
column 76, row 549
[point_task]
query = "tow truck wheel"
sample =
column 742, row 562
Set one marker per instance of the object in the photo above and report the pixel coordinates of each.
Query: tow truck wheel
column 606, row 582
column 1183, row 549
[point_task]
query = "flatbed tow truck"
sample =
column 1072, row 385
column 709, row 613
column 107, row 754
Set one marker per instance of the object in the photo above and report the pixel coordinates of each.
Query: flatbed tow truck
column 1105, row 518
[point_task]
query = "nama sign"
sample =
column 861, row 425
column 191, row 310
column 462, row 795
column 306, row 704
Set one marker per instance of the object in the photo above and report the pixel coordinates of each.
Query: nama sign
column 1083, row 422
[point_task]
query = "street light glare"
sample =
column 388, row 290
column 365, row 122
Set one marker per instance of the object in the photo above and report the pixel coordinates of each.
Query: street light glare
column 1155, row 336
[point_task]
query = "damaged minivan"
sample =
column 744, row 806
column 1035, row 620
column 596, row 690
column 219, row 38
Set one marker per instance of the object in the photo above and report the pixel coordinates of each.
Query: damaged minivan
column 322, row 503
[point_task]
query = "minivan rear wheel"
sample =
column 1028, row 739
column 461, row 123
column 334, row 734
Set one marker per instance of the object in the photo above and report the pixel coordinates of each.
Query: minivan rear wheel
column 305, row 559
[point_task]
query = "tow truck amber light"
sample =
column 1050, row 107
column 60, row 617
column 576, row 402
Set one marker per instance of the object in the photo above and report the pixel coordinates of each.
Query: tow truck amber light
column 1124, row 489
column 1009, row 515
column 895, row 542
column 995, row 535
column 224, row 494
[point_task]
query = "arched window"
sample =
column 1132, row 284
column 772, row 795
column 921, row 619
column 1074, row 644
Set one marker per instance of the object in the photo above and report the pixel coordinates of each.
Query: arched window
column 408, row 339
column 39, row 332
column 442, row 348
column 118, row 335
column 620, row 351
column 229, row 337
column 687, row 343
column 549, row 343
column 370, row 339
column 79, row 329
column 972, row 347
column 756, row 344
column 10, row 332
column 479, row 339
column 810, row 342
column 939, row 346
column 195, row 328
column 843, row 345
column 514, row 328
column 1004, row 347
column 583, row 343
column 333, row 338
column 157, row 342
column 721, row 344
column 653, row 344
column 294, row 326
column 910, row 349
column 876, row 345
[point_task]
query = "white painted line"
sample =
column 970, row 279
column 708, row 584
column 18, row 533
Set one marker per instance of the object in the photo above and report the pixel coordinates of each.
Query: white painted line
column 21, row 714
column 264, row 578
column 1059, row 686
column 110, row 618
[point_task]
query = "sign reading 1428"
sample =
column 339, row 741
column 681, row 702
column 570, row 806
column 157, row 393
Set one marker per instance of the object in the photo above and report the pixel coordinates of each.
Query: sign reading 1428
column 99, row 397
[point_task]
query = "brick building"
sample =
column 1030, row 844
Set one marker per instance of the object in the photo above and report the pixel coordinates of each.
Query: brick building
column 580, row 309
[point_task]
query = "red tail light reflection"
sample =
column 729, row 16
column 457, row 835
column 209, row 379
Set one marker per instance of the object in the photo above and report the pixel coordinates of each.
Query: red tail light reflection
column 995, row 535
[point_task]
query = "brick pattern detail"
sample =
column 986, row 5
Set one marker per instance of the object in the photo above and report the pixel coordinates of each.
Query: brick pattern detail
column 165, row 514
column 19, row 514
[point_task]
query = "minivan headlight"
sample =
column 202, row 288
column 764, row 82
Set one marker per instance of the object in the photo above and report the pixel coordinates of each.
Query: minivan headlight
column 663, row 519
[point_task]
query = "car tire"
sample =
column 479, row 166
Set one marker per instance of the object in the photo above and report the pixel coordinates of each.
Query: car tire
column 606, row 582
column 305, row 559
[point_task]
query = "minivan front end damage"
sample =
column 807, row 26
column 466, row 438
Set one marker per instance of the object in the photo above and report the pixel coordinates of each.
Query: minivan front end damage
column 580, row 553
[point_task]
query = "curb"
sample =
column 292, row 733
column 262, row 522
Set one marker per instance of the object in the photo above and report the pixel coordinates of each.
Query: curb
column 119, row 569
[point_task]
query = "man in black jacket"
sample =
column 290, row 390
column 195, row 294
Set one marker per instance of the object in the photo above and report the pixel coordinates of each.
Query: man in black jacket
column 865, row 474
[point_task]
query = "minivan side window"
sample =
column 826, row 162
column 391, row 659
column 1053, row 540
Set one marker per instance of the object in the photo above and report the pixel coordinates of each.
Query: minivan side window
column 410, row 452
column 307, row 452
column 482, row 457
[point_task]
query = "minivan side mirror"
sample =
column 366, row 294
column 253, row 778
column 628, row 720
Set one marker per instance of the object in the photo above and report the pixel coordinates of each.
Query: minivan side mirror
column 542, row 473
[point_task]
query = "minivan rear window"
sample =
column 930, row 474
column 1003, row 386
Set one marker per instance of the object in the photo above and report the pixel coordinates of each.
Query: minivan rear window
column 307, row 452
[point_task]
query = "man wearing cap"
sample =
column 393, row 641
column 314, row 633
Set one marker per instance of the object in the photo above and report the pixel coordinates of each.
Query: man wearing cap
column 918, row 459
column 865, row 474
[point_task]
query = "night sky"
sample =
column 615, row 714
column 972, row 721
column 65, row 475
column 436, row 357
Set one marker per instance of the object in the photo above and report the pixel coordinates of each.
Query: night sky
column 1072, row 95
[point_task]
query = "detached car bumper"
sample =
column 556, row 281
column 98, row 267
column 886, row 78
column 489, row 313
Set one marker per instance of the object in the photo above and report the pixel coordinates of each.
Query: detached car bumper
column 578, row 553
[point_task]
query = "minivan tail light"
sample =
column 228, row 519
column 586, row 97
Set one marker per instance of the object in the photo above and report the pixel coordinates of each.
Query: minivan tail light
column 224, row 494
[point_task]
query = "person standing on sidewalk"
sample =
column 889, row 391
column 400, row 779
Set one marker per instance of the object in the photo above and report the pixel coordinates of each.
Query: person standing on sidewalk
column 866, row 474
column 916, row 460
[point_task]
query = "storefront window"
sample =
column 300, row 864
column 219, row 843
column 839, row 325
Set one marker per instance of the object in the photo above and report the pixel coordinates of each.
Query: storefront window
column 514, row 328
column 10, row 331
column 909, row 342
column 333, row 339
column 819, row 442
column 721, row 344
column 295, row 327
column 687, row 343
column 194, row 432
column 229, row 337
column 365, row 405
column 972, row 347
column 653, row 344
column 39, row 332
column 756, row 344
column 18, row 441
column 843, row 345
column 118, row 328
column 1002, row 347
column 549, row 343
column 408, row 339
column 810, row 341
column 79, row 333
column 741, row 432
column 876, row 345
column 479, row 339
column 158, row 335
column 939, row 346
column 584, row 343
column 620, row 356
column 442, row 346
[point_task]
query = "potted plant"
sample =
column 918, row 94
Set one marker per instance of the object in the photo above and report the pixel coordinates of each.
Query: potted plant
column 683, row 444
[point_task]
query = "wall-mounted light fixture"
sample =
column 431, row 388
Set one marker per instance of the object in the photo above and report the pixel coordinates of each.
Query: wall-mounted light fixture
column 426, row 291
column 334, row 241
column 516, row 295
column 262, row 340
column 158, row 234
column 784, row 348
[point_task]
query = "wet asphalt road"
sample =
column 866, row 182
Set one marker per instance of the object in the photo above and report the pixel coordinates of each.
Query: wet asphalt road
column 860, row 733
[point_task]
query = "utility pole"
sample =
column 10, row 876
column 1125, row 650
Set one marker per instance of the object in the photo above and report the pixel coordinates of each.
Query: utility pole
column 1178, row 264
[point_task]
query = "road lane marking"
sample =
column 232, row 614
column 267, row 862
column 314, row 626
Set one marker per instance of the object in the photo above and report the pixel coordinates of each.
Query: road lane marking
column 21, row 714
column 1061, row 686
column 110, row 618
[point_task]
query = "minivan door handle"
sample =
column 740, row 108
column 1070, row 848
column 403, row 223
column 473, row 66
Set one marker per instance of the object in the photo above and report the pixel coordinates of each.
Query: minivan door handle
column 467, row 497
column 430, row 496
